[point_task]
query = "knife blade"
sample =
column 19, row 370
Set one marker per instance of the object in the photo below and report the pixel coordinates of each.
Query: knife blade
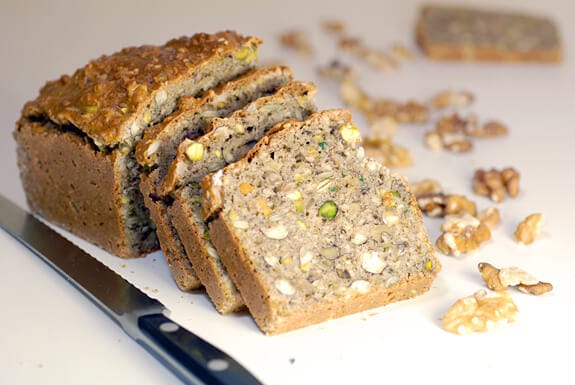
column 191, row 358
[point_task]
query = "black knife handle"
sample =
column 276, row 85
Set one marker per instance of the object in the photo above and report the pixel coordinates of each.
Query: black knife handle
column 191, row 358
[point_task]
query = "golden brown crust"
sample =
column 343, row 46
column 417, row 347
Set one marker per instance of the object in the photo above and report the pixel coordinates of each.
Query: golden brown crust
column 241, row 270
column 270, row 320
column 181, row 268
column 89, row 203
column 105, row 96
column 451, row 33
column 225, row 298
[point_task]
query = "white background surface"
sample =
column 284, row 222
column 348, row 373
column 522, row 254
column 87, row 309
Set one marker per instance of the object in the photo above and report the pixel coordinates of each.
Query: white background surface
column 50, row 334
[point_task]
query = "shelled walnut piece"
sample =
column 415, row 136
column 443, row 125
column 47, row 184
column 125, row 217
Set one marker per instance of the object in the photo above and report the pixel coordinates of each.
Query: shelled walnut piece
column 425, row 186
column 334, row 26
column 453, row 99
column 297, row 40
column 410, row 112
column 462, row 234
column 387, row 152
column 451, row 134
column 500, row 279
column 400, row 52
column 455, row 133
column 490, row 217
column 490, row 129
column 480, row 312
column 378, row 59
column 337, row 70
column 440, row 204
column 529, row 229
column 495, row 184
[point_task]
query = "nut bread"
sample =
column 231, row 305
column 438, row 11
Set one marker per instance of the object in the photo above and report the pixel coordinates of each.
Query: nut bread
column 160, row 143
column 242, row 129
column 458, row 33
column 75, row 141
column 341, row 234
column 227, row 140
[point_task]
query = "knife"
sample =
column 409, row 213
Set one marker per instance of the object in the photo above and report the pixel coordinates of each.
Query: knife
column 189, row 357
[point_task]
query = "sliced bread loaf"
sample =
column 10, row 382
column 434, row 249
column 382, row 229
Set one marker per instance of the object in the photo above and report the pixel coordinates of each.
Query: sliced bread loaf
column 341, row 233
column 75, row 142
column 227, row 140
column 160, row 143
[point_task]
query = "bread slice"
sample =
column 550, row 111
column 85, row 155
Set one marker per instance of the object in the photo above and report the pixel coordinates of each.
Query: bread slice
column 459, row 33
column 160, row 144
column 342, row 234
column 76, row 141
column 233, row 137
column 227, row 140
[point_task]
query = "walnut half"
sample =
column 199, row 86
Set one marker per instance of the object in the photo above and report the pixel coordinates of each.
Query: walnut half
column 480, row 312
column 529, row 229
column 462, row 234
column 500, row 279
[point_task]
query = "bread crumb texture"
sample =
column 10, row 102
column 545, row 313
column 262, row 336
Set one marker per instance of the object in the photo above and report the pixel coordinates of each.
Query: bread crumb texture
column 318, row 224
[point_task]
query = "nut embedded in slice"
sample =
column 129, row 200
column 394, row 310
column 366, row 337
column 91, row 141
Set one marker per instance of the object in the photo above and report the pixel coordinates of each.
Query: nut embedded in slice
column 328, row 210
column 195, row 151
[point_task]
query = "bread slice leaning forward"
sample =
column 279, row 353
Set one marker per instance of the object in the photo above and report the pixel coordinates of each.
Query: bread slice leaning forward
column 227, row 140
column 342, row 234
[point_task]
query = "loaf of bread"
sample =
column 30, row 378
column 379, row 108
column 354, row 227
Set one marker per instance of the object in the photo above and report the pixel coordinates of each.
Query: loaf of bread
column 76, row 141
column 309, row 229
column 457, row 33
column 247, row 190
column 159, row 146
column 227, row 140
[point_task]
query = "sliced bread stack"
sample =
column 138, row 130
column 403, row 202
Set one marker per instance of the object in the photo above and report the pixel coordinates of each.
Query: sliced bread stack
column 158, row 148
column 309, row 229
column 227, row 140
column 228, row 168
